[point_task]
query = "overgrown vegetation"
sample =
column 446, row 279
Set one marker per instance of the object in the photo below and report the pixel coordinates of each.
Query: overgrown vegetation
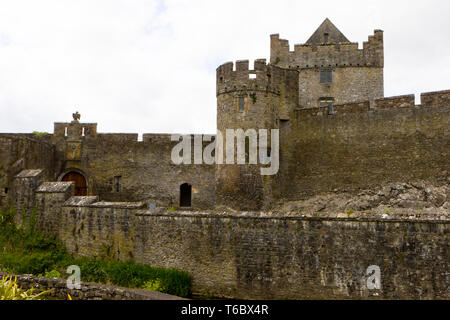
column 27, row 251
column 39, row 134
column 10, row 290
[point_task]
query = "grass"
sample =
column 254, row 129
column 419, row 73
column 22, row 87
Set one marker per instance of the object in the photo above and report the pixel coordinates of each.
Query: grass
column 27, row 251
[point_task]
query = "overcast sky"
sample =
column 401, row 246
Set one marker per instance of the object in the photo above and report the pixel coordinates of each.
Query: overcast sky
column 143, row 66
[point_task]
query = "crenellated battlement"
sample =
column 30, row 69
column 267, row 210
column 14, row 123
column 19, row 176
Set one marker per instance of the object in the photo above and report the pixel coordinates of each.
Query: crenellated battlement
column 429, row 99
column 238, row 77
column 232, row 77
column 307, row 56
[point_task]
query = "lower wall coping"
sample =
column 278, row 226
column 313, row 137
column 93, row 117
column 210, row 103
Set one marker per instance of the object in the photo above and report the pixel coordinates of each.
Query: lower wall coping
column 357, row 217
column 55, row 187
column 103, row 204
column 88, row 291
column 412, row 96
column 435, row 92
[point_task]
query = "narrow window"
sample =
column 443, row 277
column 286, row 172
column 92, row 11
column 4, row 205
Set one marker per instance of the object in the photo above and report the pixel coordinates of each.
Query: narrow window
column 326, row 76
column 185, row 195
column 6, row 190
column 65, row 131
column 241, row 104
column 82, row 132
column 325, row 37
column 328, row 103
column 330, row 107
column 117, row 184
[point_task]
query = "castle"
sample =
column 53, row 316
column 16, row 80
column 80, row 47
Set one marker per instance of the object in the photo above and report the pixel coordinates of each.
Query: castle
column 338, row 135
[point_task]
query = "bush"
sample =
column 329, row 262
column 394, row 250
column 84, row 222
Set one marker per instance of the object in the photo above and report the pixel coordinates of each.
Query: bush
column 52, row 274
column 9, row 290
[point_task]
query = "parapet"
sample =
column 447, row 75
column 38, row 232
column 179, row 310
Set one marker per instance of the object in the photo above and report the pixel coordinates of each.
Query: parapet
column 118, row 137
column 406, row 101
column 327, row 55
column 435, row 99
column 429, row 99
column 74, row 130
column 263, row 77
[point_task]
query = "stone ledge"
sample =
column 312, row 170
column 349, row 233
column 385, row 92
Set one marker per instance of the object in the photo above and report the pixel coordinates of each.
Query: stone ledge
column 29, row 173
column 119, row 205
column 88, row 291
column 55, row 187
column 357, row 216
column 80, row 201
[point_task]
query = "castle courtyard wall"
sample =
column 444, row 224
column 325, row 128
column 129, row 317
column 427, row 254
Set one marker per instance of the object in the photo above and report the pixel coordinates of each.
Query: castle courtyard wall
column 358, row 147
column 256, row 257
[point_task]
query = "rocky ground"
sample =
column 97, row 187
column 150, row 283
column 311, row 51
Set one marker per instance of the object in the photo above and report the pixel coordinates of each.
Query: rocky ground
column 404, row 199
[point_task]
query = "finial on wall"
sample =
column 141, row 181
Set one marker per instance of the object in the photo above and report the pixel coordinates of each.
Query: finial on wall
column 76, row 116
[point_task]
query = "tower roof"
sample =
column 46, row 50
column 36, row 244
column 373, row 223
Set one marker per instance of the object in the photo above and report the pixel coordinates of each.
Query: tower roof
column 327, row 33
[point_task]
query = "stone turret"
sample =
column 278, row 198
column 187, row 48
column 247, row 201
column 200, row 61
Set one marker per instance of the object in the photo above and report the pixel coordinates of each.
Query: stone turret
column 331, row 68
column 250, row 99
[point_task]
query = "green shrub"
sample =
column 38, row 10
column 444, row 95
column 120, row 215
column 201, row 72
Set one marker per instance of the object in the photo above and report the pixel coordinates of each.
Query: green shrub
column 52, row 274
column 39, row 134
column 9, row 290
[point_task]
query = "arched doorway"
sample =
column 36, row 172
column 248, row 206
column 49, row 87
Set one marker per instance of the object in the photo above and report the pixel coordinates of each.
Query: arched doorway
column 185, row 195
column 80, row 182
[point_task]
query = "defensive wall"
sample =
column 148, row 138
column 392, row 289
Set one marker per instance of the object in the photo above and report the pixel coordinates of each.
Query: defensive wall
column 356, row 147
column 258, row 255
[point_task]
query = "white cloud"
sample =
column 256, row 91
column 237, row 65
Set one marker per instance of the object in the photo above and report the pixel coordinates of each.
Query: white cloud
column 149, row 66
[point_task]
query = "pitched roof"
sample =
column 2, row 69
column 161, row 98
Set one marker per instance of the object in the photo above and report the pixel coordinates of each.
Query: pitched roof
column 327, row 27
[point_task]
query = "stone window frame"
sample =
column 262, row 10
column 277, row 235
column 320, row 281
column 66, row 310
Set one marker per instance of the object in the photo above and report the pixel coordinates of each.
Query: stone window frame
column 238, row 104
column 327, row 102
column 117, row 184
column 326, row 75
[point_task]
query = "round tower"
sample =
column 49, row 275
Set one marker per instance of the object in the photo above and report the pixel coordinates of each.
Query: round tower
column 248, row 100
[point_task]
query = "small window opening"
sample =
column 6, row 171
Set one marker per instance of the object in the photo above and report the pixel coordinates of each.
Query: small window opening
column 65, row 131
column 185, row 195
column 241, row 104
column 252, row 76
column 82, row 132
column 325, row 37
column 117, row 184
column 6, row 190
column 328, row 103
column 284, row 123
column 326, row 76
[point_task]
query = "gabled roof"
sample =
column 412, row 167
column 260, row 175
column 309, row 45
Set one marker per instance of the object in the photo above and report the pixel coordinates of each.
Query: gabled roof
column 327, row 27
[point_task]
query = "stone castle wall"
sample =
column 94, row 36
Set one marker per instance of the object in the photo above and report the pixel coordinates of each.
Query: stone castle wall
column 19, row 152
column 145, row 167
column 357, row 147
column 253, row 256
column 357, row 73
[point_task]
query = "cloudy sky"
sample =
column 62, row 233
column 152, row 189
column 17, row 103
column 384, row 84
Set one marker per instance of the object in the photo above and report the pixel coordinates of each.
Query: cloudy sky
column 144, row 66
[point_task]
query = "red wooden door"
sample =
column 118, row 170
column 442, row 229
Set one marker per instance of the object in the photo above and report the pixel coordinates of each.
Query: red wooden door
column 80, row 183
